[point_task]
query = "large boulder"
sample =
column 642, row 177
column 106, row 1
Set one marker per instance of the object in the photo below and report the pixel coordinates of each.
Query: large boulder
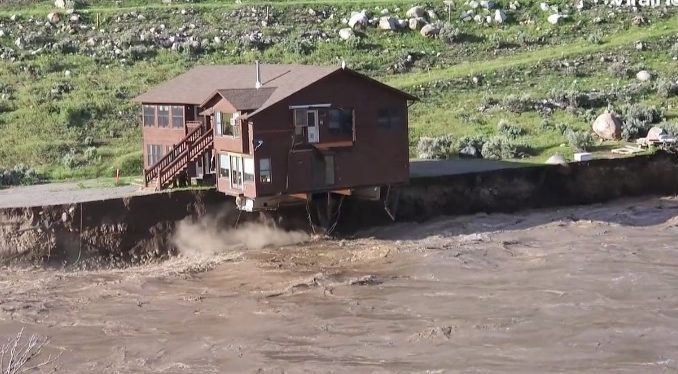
column 429, row 31
column 415, row 12
column 487, row 4
column 608, row 126
column 417, row 23
column 358, row 20
column 654, row 133
column 643, row 76
column 388, row 23
column 61, row 4
column 346, row 33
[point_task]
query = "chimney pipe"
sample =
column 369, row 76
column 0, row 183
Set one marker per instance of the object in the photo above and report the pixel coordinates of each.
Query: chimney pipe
column 257, row 85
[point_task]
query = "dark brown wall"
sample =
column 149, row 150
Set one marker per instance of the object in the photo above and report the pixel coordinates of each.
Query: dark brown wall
column 378, row 157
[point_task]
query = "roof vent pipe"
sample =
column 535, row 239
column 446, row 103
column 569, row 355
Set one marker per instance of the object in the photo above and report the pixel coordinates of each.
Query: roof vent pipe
column 257, row 85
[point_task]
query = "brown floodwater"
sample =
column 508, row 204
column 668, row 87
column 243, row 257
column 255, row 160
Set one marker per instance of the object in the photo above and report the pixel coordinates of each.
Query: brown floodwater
column 587, row 289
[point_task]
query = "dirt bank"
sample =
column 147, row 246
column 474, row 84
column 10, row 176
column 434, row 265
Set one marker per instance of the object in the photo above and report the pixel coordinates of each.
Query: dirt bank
column 139, row 229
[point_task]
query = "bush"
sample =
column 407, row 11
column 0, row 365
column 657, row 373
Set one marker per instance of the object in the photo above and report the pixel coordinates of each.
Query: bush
column 517, row 104
column 670, row 128
column 450, row 34
column 499, row 147
column 476, row 142
column 18, row 175
column 130, row 164
column 546, row 125
column 674, row 50
column 644, row 114
column 619, row 70
column 510, row 130
column 634, row 129
column 666, row 88
column 596, row 37
column 580, row 141
column 437, row 148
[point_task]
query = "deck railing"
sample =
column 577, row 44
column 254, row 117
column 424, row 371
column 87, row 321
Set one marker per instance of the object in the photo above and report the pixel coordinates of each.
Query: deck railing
column 194, row 142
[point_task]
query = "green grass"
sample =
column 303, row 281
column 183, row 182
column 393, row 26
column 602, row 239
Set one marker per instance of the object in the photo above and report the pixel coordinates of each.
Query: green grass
column 52, row 132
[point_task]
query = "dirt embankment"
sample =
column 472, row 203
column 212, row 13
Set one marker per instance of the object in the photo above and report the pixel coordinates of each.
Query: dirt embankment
column 140, row 229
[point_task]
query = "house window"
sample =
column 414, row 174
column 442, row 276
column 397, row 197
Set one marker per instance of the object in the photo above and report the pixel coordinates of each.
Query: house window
column 153, row 154
column 265, row 170
column 163, row 116
column 236, row 172
column 222, row 127
column 149, row 115
column 224, row 166
column 248, row 169
column 300, row 120
column 389, row 118
column 177, row 116
column 341, row 121
column 235, row 125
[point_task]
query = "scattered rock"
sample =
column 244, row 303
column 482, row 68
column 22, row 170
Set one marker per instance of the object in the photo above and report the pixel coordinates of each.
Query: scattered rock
column 487, row 4
column 346, row 33
column 466, row 16
column 61, row 4
column 388, row 23
column 556, row 159
column 53, row 17
column 499, row 16
column 403, row 23
column 473, row 4
column 430, row 30
column 643, row 76
column 608, row 126
column 639, row 21
column 514, row 5
column 470, row 152
column 639, row 46
column 432, row 14
column 545, row 7
column 415, row 12
column 417, row 23
column 555, row 19
column 358, row 20
column 655, row 133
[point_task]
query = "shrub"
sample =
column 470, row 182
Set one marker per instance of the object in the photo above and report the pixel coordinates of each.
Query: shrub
column 509, row 130
column 69, row 160
column 670, row 128
column 517, row 104
column 301, row 46
column 90, row 154
column 562, row 127
column 596, row 37
column 634, row 128
column 355, row 43
column 476, row 142
column 674, row 50
column 499, row 147
column 523, row 39
column 619, row 70
column 546, row 125
column 580, row 140
column 436, row 148
column 643, row 114
column 450, row 34
column 666, row 88
column 18, row 175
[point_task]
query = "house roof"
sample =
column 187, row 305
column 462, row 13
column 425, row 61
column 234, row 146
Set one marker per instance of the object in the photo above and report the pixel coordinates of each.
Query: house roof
column 236, row 83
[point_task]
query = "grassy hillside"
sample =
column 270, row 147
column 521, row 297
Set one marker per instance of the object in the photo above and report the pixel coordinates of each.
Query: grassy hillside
column 65, row 88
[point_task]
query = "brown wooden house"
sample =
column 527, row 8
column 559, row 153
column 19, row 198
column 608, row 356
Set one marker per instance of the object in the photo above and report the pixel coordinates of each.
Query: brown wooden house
column 270, row 133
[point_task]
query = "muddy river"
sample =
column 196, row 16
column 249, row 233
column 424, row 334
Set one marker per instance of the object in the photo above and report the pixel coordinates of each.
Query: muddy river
column 589, row 289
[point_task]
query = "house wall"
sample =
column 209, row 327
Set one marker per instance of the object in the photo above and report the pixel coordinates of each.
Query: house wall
column 379, row 156
column 163, row 136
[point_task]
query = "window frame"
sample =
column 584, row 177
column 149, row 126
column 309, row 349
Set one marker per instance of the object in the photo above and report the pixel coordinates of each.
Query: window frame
column 163, row 116
column 144, row 116
column 248, row 165
column 265, row 174
column 227, row 158
column 390, row 117
column 177, row 124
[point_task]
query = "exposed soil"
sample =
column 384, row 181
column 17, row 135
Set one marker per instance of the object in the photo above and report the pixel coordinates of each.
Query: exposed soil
column 586, row 289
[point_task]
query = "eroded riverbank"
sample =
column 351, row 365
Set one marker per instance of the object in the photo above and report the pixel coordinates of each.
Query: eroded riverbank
column 583, row 289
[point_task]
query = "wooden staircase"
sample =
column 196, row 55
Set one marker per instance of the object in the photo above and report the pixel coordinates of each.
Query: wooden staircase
column 166, row 171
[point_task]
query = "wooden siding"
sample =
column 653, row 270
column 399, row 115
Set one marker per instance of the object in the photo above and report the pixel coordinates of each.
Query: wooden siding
column 379, row 156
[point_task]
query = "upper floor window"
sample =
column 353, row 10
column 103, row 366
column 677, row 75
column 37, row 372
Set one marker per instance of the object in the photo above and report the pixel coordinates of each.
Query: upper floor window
column 149, row 115
column 163, row 116
column 389, row 118
column 177, row 116
column 235, row 125
column 341, row 121
column 226, row 126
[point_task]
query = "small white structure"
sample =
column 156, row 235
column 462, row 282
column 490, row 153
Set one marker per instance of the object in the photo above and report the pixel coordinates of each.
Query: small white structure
column 583, row 156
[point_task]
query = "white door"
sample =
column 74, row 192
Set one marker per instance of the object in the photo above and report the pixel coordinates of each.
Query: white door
column 312, row 116
column 199, row 168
